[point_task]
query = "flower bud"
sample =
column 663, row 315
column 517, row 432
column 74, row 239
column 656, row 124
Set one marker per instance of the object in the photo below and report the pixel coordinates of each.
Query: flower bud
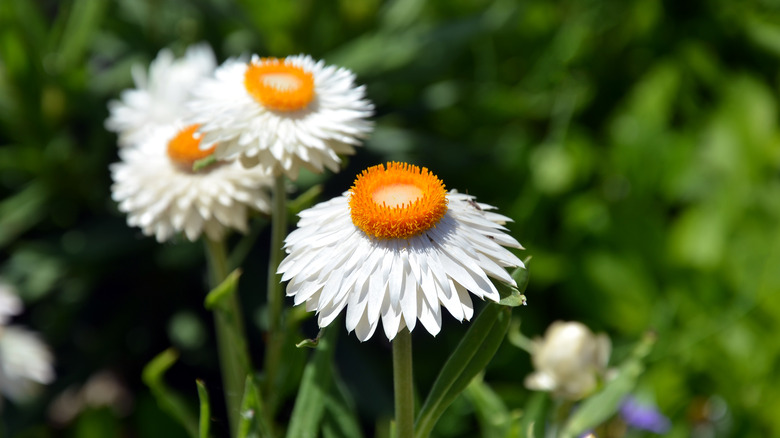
column 569, row 360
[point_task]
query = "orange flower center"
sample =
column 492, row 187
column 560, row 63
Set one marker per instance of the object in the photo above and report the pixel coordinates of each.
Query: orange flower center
column 397, row 202
column 278, row 85
column 184, row 148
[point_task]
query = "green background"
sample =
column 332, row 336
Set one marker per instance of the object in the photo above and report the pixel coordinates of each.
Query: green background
column 634, row 143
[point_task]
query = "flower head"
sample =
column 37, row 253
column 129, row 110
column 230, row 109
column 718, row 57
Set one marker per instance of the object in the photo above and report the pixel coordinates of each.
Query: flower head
column 155, row 184
column 282, row 113
column 159, row 95
column 569, row 360
column 25, row 363
column 396, row 247
column 644, row 416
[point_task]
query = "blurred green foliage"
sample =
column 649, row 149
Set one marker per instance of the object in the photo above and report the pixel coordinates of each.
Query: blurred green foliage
column 634, row 143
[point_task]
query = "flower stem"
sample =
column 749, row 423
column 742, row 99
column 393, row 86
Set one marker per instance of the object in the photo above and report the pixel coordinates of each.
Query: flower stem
column 274, row 290
column 231, row 341
column 403, row 384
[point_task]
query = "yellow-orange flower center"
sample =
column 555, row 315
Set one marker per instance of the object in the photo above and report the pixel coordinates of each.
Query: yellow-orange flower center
column 278, row 85
column 184, row 148
column 397, row 202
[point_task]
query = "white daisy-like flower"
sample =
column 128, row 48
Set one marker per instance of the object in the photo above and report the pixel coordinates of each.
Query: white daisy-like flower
column 397, row 247
column 569, row 360
column 25, row 363
column 282, row 113
column 155, row 184
column 10, row 304
column 159, row 96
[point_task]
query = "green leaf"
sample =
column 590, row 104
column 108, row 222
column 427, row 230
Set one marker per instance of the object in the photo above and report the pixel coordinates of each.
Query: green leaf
column 340, row 415
column 205, row 409
column 216, row 297
column 534, row 416
column 168, row 400
column 310, row 343
column 253, row 422
column 315, row 386
column 492, row 413
column 83, row 20
column 510, row 296
column 304, row 200
column 247, row 242
column 513, row 296
column 599, row 407
column 471, row 356
column 22, row 211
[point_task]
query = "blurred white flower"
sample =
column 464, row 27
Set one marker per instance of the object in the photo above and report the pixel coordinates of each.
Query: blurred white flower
column 282, row 114
column 569, row 360
column 155, row 184
column 159, row 96
column 10, row 304
column 25, row 363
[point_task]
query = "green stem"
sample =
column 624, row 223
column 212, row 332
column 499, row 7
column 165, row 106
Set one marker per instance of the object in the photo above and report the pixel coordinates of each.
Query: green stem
column 231, row 341
column 403, row 384
column 275, row 337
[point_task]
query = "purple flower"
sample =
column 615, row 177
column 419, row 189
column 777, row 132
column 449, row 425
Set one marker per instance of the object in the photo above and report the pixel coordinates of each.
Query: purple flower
column 645, row 417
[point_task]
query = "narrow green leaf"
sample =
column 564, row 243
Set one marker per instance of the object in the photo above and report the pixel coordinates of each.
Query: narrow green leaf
column 218, row 294
column 340, row 416
column 599, row 407
column 83, row 20
column 516, row 337
column 513, row 296
column 521, row 276
column 312, row 395
column 534, row 416
column 472, row 354
column 510, row 296
column 310, row 343
column 247, row 242
column 304, row 200
column 22, row 211
column 153, row 371
column 492, row 413
column 235, row 362
column 253, row 423
column 168, row 400
column 484, row 355
column 205, row 409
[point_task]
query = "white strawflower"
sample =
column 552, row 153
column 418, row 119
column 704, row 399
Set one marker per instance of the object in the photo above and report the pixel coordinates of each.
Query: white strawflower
column 397, row 248
column 569, row 360
column 25, row 363
column 282, row 113
column 155, row 184
column 10, row 304
column 159, row 96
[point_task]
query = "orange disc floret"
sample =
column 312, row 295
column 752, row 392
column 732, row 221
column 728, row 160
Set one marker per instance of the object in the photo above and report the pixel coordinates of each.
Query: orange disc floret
column 184, row 148
column 278, row 85
column 397, row 202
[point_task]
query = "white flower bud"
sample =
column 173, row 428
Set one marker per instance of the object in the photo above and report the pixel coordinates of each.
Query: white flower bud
column 568, row 361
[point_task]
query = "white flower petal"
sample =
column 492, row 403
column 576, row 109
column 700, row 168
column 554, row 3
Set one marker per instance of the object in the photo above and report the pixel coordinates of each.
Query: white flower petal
column 159, row 96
